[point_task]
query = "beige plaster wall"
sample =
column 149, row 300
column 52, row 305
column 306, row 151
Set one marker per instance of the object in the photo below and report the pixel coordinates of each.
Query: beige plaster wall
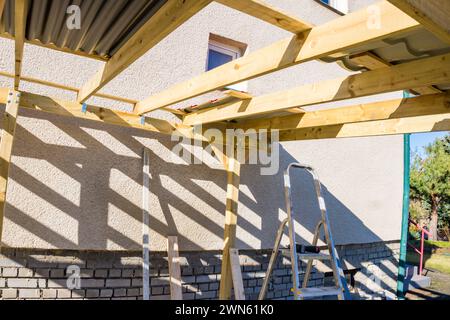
column 76, row 184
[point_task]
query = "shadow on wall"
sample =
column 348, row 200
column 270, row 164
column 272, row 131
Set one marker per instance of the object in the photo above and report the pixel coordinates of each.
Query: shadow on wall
column 76, row 184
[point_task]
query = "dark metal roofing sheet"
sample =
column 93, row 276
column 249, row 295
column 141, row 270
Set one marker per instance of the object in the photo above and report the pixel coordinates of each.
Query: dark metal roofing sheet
column 105, row 24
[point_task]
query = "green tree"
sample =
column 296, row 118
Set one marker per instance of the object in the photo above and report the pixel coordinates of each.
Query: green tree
column 430, row 180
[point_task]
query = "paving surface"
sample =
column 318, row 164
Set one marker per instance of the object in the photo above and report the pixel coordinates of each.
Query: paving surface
column 439, row 290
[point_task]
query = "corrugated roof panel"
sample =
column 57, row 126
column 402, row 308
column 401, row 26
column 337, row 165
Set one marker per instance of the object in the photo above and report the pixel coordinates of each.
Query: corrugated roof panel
column 105, row 24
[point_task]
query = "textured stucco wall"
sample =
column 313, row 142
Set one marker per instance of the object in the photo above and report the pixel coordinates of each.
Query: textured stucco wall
column 76, row 184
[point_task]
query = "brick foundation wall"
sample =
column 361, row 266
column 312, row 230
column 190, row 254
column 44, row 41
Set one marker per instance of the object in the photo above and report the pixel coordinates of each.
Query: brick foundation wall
column 44, row 274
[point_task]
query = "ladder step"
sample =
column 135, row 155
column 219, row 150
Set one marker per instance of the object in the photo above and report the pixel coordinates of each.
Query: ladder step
column 306, row 256
column 319, row 292
column 313, row 256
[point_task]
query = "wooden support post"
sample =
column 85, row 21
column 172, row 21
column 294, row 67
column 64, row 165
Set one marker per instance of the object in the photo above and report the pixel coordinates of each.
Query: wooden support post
column 6, row 144
column 174, row 268
column 233, row 179
column 20, row 26
column 2, row 6
column 236, row 274
column 146, row 227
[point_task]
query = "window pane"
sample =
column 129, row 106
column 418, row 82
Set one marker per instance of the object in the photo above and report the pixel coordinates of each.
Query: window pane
column 216, row 59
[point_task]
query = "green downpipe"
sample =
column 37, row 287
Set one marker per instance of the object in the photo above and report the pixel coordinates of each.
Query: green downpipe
column 405, row 215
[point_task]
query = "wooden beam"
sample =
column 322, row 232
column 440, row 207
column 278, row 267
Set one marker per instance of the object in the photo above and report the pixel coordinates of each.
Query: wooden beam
column 263, row 11
column 2, row 6
column 6, row 145
column 238, row 94
column 20, row 19
column 424, row 72
column 168, row 18
column 236, row 274
column 337, row 36
column 109, row 116
column 439, row 122
column 383, row 110
column 233, row 179
column 432, row 14
column 73, row 89
column 373, row 62
column 174, row 268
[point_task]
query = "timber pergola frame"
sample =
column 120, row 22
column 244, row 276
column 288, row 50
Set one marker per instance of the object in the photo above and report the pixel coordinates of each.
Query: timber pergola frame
column 346, row 37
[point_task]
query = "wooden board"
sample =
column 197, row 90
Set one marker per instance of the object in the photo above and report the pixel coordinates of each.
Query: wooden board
column 146, row 225
column 6, row 145
column 20, row 25
column 236, row 274
column 383, row 110
column 168, row 18
column 73, row 89
column 74, row 109
column 424, row 72
column 372, row 62
column 440, row 122
column 231, row 213
column 339, row 35
column 265, row 12
column 174, row 268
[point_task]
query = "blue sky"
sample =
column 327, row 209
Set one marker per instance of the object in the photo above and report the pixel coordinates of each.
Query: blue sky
column 421, row 140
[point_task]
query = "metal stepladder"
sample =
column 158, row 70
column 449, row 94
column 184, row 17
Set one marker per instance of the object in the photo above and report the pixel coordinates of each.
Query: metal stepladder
column 298, row 252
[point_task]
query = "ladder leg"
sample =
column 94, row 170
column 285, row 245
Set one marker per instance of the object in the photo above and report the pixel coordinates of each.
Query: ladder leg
column 338, row 273
column 310, row 262
column 292, row 242
column 273, row 259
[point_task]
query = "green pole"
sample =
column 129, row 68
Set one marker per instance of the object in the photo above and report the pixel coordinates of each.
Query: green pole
column 405, row 216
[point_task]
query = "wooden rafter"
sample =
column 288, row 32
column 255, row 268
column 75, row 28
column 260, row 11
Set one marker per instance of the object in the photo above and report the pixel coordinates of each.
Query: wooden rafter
column 73, row 89
column 439, row 122
column 339, row 35
column 263, row 11
column 6, row 144
column 373, row 62
column 20, row 18
column 432, row 14
column 105, row 115
column 169, row 17
column 392, row 109
column 424, row 72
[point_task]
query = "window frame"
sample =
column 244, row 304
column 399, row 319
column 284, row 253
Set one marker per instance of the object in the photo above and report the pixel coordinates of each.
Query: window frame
column 233, row 52
column 237, row 51
column 332, row 5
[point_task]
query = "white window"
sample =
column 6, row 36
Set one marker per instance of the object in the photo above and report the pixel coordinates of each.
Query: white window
column 340, row 5
column 221, row 51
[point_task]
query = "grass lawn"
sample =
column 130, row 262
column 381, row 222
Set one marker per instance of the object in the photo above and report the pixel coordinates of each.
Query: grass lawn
column 435, row 261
